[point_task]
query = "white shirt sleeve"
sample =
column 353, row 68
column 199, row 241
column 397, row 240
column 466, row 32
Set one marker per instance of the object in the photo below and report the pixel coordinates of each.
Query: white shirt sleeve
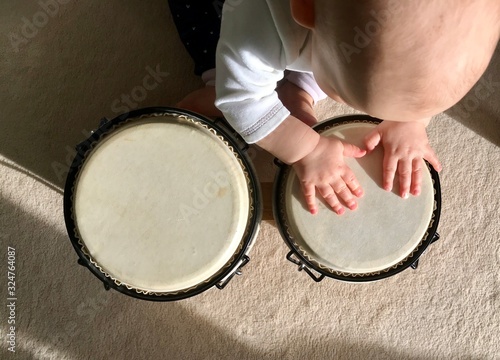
column 249, row 62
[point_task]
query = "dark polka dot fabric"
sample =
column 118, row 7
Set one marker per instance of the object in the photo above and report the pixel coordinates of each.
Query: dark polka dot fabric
column 198, row 25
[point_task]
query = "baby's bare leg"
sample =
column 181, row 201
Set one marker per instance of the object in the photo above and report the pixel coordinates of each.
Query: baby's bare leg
column 201, row 101
column 404, row 60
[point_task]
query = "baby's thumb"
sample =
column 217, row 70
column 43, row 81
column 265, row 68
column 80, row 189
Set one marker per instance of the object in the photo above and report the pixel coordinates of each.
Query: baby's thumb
column 351, row 150
column 372, row 140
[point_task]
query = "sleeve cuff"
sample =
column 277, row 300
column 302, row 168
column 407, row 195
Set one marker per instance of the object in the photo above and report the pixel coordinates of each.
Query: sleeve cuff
column 265, row 125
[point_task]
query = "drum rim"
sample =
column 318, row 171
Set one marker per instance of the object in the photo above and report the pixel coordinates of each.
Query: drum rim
column 84, row 149
column 284, row 228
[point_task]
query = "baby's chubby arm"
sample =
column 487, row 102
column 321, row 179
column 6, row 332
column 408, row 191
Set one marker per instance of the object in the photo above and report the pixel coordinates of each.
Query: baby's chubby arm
column 250, row 61
column 318, row 161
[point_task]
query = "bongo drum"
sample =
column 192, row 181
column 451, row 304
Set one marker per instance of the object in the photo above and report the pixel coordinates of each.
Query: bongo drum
column 162, row 204
column 383, row 236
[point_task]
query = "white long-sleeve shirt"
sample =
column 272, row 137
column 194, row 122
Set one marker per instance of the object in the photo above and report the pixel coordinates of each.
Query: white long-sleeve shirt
column 259, row 40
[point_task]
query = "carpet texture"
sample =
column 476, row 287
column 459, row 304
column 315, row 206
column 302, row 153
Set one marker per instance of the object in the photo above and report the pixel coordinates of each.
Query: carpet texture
column 64, row 65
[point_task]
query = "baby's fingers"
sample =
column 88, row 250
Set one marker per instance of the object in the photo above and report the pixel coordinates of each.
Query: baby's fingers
column 389, row 170
column 351, row 150
column 353, row 183
column 405, row 177
column 431, row 157
column 309, row 192
column 416, row 176
column 372, row 140
column 331, row 199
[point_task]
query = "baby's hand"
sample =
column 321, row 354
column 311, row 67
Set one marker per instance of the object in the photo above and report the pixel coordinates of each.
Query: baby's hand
column 405, row 144
column 324, row 168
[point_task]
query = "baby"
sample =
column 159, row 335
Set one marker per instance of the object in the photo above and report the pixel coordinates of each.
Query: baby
column 400, row 61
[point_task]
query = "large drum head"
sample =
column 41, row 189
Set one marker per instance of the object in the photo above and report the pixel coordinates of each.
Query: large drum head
column 163, row 205
column 384, row 234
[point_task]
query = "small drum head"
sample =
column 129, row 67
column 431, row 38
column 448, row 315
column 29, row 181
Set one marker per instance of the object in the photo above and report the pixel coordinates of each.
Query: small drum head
column 162, row 204
column 384, row 235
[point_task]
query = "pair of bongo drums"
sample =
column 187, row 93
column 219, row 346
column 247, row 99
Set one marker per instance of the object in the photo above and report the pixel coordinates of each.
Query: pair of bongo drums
column 162, row 204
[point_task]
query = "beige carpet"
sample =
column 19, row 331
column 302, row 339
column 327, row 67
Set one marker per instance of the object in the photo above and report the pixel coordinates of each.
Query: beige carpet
column 71, row 70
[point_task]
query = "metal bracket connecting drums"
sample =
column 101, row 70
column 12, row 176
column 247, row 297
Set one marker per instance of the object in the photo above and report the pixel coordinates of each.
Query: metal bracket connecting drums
column 236, row 271
column 292, row 258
